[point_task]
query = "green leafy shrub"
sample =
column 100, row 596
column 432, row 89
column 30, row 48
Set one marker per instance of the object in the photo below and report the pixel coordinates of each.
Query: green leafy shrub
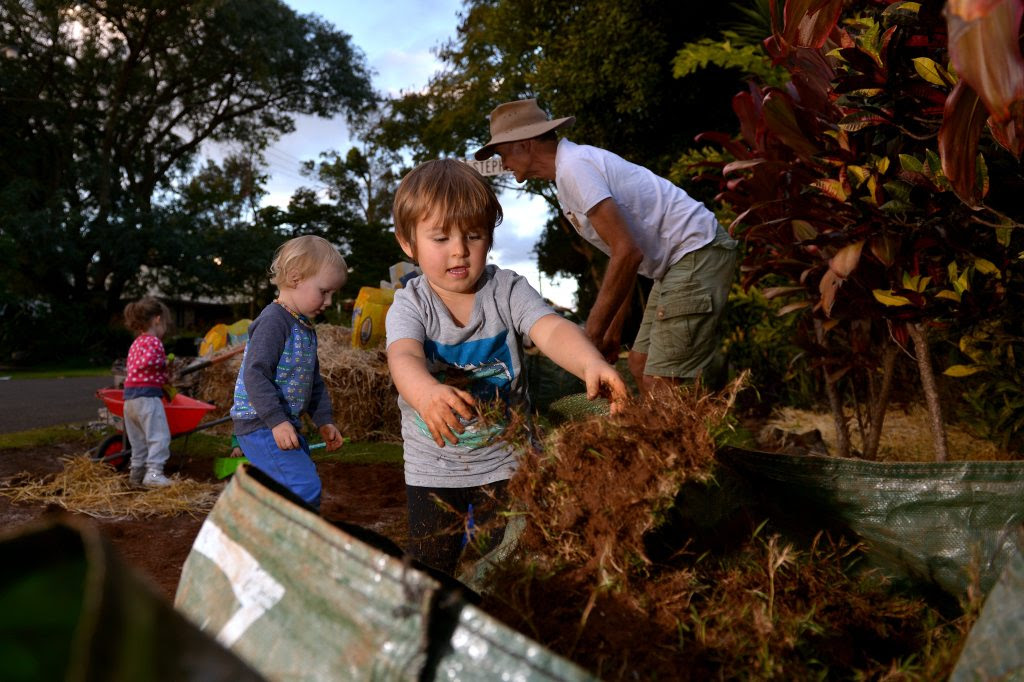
column 992, row 383
column 863, row 187
column 759, row 339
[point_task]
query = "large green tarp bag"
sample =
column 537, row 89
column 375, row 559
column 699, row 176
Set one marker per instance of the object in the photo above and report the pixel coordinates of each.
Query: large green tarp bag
column 299, row 598
column 994, row 649
column 922, row 523
column 70, row 609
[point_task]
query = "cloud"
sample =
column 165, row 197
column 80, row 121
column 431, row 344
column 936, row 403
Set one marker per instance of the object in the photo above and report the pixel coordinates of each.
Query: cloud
column 515, row 238
column 525, row 214
column 400, row 71
column 559, row 290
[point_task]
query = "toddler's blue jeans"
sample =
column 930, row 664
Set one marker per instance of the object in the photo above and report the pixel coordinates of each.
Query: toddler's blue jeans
column 293, row 469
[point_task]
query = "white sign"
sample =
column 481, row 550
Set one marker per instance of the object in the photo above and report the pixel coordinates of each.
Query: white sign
column 255, row 590
column 491, row 166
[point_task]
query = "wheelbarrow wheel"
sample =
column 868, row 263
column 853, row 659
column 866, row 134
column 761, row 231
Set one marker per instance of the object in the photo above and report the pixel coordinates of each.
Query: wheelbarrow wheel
column 114, row 452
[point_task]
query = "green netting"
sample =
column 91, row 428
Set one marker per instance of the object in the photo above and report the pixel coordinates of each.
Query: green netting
column 561, row 396
column 301, row 599
column 70, row 609
column 576, row 406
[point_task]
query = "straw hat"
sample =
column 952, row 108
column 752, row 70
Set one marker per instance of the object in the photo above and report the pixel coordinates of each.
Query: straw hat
column 519, row 120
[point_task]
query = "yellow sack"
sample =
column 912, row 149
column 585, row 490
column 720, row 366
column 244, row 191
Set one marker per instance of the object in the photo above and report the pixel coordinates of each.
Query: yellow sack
column 214, row 340
column 368, row 315
column 239, row 331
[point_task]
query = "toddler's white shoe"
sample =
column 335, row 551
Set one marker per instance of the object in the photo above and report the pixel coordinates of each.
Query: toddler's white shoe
column 155, row 479
column 136, row 474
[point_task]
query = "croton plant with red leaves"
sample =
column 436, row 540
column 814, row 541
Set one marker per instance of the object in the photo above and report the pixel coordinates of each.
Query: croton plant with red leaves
column 880, row 190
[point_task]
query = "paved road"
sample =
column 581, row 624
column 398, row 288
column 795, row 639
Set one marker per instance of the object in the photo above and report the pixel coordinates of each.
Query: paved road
column 33, row 403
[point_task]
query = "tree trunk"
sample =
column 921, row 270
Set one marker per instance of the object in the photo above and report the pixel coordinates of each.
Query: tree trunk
column 879, row 406
column 931, row 391
column 835, row 403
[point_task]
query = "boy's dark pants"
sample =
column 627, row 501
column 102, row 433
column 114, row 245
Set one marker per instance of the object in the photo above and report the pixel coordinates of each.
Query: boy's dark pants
column 437, row 534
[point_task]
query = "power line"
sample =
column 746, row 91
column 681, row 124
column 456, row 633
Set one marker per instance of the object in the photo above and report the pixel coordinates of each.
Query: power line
column 283, row 157
column 285, row 173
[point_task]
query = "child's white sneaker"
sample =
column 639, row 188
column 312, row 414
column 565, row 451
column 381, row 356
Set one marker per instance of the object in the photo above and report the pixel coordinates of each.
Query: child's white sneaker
column 136, row 474
column 155, row 479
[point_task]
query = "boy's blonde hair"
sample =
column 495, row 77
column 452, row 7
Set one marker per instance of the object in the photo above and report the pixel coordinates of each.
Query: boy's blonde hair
column 453, row 190
column 303, row 257
column 138, row 315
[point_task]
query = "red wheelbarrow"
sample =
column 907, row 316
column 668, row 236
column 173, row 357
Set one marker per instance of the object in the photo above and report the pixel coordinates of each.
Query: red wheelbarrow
column 183, row 417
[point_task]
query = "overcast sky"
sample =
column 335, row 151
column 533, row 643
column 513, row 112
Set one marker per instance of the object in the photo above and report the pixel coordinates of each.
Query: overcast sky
column 399, row 38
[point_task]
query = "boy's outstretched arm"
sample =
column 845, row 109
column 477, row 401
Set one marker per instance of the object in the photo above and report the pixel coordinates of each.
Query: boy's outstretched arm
column 433, row 400
column 569, row 348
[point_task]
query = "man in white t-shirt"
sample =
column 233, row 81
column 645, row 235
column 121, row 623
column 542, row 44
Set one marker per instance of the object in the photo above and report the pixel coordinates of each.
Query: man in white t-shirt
column 647, row 226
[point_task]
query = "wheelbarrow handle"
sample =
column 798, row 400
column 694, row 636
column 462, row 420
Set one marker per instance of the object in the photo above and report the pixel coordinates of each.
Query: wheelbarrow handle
column 204, row 425
column 217, row 357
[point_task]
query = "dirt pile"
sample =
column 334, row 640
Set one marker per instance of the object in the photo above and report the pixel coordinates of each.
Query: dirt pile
column 640, row 561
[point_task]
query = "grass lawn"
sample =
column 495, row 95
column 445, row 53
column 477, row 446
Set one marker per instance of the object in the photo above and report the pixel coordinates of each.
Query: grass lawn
column 201, row 445
column 53, row 372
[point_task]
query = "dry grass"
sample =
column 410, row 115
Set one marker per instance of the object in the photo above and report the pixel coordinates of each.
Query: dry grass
column 362, row 393
column 216, row 385
column 731, row 599
column 93, row 488
column 906, row 437
column 602, row 483
column 365, row 399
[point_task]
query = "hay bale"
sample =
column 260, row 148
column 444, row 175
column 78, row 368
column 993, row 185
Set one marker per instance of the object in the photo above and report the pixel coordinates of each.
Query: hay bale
column 365, row 399
column 216, row 386
column 362, row 393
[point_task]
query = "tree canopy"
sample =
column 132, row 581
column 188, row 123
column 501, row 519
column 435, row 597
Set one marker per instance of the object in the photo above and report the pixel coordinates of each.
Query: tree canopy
column 360, row 188
column 607, row 62
column 105, row 107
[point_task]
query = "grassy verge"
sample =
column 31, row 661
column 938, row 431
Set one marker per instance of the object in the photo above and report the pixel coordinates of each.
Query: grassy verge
column 200, row 445
column 52, row 435
column 365, row 453
column 54, row 372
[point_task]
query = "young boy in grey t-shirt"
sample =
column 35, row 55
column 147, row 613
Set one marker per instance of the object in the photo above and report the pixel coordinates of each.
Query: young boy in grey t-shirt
column 454, row 342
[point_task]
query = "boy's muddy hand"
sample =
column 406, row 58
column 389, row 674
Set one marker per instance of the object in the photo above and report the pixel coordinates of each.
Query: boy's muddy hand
column 332, row 437
column 440, row 408
column 616, row 398
column 604, row 381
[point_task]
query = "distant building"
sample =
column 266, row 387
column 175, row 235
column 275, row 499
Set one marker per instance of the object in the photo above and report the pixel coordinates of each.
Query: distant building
column 197, row 314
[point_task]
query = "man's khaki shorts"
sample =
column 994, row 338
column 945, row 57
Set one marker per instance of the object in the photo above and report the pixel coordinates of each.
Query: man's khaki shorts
column 680, row 331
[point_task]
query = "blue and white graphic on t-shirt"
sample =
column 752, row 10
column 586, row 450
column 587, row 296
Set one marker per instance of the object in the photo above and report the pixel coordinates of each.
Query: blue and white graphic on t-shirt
column 482, row 368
